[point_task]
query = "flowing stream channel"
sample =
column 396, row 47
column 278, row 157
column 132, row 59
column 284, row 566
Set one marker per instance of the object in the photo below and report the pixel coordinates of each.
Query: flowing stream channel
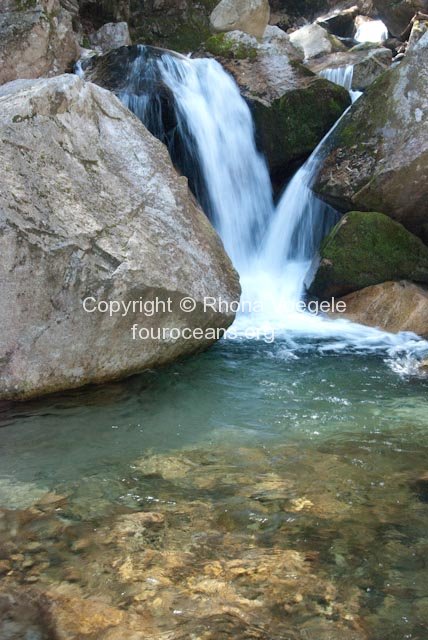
column 285, row 473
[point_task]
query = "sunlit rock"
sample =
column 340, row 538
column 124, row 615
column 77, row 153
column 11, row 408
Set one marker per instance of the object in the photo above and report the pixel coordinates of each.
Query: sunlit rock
column 250, row 16
column 92, row 208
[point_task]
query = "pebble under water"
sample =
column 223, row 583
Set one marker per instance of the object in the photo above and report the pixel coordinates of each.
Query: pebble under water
column 247, row 492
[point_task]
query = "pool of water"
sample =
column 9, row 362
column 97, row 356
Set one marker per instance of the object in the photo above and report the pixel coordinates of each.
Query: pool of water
column 248, row 492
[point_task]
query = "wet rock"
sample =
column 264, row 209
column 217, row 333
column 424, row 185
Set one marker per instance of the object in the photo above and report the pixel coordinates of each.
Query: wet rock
column 5, row 566
column 292, row 108
column 379, row 152
column 72, row 617
column 95, row 217
column 249, row 16
column 314, row 41
column 391, row 306
column 368, row 64
column 364, row 249
column 111, row 36
column 36, row 39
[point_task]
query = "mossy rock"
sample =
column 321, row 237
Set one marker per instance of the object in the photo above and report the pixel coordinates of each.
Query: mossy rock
column 378, row 154
column 291, row 126
column 223, row 46
column 365, row 249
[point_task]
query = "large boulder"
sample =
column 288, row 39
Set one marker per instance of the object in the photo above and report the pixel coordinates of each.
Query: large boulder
column 365, row 249
column 391, row 306
column 368, row 64
column 111, row 36
column 36, row 39
column 292, row 108
column 314, row 41
column 396, row 14
column 92, row 208
column 378, row 158
column 249, row 16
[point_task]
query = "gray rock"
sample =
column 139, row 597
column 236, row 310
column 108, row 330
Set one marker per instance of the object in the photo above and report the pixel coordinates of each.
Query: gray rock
column 313, row 41
column 111, row 36
column 379, row 151
column 368, row 64
column 36, row 39
column 250, row 16
column 92, row 207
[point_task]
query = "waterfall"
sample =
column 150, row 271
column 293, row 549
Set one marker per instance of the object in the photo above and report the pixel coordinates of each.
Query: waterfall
column 196, row 109
column 212, row 129
column 296, row 230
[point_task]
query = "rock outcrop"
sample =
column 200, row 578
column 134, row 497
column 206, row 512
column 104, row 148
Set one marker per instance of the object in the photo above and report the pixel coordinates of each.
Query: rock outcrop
column 92, row 207
column 379, row 151
column 111, row 36
column 293, row 108
column 365, row 249
column 391, row 306
column 36, row 39
column 368, row 64
column 397, row 14
column 249, row 16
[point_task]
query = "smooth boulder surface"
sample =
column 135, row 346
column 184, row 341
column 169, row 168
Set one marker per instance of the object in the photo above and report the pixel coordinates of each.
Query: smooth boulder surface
column 111, row 36
column 313, row 41
column 364, row 249
column 36, row 39
column 379, row 151
column 368, row 64
column 249, row 16
column 391, row 306
column 92, row 207
column 292, row 107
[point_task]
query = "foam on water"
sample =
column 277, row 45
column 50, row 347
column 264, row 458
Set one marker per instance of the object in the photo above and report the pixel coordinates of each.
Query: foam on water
column 371, row 31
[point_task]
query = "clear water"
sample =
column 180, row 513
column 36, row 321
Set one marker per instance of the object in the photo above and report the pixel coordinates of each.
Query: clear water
column 252, row 455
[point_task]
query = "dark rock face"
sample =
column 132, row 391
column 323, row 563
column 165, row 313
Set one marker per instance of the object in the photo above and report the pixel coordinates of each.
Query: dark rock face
column 177, row 24
column 379, row 155
column 290, row 127
column 397, row 15
column 365, row 249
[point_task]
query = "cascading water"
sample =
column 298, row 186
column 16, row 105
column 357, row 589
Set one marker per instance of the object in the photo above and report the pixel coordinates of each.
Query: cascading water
column 214, row 132
column 195, row 107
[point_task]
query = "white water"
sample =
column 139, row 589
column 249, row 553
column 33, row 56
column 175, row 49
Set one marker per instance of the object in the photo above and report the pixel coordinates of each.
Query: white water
column 274, row 250
column 237, row 179
column 371, row 31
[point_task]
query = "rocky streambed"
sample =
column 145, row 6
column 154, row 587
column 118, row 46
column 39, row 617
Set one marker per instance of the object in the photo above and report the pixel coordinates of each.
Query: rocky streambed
column 275, row 527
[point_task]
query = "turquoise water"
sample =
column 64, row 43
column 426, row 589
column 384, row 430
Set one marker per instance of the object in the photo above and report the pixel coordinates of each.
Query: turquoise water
column 267, row 449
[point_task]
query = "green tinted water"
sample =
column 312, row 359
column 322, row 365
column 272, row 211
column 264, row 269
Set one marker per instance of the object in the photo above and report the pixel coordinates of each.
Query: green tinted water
column 247, row 454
